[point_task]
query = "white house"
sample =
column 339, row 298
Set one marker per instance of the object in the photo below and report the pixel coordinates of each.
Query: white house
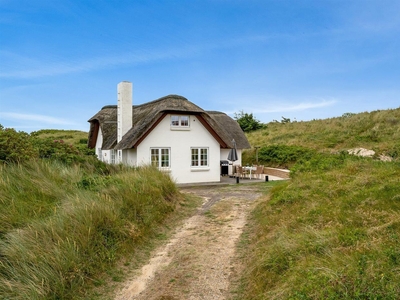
column 171, row 133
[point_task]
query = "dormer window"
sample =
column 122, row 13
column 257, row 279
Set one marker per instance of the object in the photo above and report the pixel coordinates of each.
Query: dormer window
column 178, row 121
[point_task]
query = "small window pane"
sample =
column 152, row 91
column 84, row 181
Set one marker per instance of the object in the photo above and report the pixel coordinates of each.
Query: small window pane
column 112, row 156
column 154, row 157
column 195, row 157
column 164, row 157
column 184, row 121
column 174, row 120
column 204, row 157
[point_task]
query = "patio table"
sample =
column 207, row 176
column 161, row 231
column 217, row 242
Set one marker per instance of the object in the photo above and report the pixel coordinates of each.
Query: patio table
column 250, row 169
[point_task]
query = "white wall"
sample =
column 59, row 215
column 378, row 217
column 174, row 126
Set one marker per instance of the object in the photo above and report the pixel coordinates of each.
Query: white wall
column 103, row 155
column 180, row 143
column 131, row 157
column 99, row 143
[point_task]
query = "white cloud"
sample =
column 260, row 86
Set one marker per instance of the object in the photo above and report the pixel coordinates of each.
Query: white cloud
column 33, row 117
column 275, row 107
column 58, row 67
column 19, row 66
column 296, row 107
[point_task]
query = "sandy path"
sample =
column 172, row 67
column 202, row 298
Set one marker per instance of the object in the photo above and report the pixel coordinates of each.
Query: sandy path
column 197, row 262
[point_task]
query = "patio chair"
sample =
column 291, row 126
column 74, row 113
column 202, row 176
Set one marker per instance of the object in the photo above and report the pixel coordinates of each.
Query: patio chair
column 240, row 171
column 258, row 172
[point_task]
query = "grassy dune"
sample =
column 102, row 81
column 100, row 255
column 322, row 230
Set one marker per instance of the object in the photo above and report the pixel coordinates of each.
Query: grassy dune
column 74, row 137
column 333, row 230
column 377, row 130
column 63, row 227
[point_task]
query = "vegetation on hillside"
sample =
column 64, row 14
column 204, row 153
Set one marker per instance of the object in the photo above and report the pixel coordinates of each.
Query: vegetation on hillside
column 74, row 137
column 377, row 130
column 69, row 146
column 333, row 230
column 68, row 220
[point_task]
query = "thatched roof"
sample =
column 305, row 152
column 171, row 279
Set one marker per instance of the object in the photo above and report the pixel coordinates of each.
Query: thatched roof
column 146, row 116
column 228, row 129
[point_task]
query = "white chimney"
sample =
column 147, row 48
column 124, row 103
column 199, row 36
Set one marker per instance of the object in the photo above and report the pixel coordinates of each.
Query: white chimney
column 124, row 110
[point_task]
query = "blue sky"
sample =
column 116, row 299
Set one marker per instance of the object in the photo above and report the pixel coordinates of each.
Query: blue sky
column 61, row 60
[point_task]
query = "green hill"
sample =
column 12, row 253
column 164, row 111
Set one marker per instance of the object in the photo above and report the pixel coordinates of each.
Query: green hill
column 377, row 130
column 74, row 137
column 70, row 146
column 333, row 230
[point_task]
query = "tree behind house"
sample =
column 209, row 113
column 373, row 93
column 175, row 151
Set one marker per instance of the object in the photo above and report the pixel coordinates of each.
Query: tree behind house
column 248, row 122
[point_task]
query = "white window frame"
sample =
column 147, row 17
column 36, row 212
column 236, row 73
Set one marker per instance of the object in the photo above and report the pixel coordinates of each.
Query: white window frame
column 157, row 156
column 180, row 122
column 112, row 156
column 197, row 159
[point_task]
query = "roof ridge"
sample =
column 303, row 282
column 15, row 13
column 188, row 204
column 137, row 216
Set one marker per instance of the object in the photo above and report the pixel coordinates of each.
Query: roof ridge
column 152, row 101
column 162, row 99
column 215, row 112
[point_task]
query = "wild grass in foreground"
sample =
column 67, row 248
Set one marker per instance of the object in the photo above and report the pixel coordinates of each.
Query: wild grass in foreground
column 63, row 227
column 331, row 232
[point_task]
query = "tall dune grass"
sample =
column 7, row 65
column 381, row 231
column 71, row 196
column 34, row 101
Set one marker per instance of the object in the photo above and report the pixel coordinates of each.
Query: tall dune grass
column 32, row 191
column 331, row 232
column 61, row 226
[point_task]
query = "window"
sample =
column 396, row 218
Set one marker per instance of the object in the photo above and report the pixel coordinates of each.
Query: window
column 160, row 157
column 184, row 121
column 112, row 156
column 180, row 121
column 199, row 157
column 174, row 120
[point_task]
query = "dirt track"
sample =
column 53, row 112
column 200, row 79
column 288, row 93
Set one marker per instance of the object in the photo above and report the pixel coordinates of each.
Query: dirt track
column 198, row 261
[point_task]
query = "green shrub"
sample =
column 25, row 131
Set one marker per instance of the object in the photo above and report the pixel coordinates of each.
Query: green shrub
column 58, row 150
column 15, row 146
column 20, row 146
column 282, row 155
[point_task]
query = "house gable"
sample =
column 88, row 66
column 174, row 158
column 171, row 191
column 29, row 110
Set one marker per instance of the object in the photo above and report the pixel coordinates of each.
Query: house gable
column 145, row 118
column 179, row 144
